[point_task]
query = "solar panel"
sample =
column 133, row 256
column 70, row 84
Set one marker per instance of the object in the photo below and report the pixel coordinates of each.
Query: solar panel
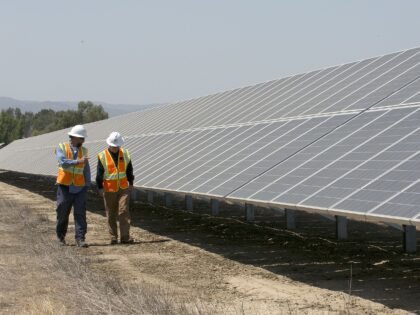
column 356, row 168
column 342, row 139
column 240, row 158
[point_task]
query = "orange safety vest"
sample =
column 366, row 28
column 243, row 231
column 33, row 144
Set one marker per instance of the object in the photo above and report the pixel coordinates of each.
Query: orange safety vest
column 115, row 177
column 72, row 175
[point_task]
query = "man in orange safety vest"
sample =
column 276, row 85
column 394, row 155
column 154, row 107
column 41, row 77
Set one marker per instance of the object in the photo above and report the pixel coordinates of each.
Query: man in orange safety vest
column 73, row 180
column 114, row 178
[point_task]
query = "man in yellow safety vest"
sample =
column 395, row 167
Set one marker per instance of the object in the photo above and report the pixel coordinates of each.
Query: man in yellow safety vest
column 73, row 180
column 114, row 178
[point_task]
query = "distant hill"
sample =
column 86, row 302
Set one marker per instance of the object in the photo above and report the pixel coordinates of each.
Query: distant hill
column 35, row 106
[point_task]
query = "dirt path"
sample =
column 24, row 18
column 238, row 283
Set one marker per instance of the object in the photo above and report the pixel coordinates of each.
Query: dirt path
column 177, row 260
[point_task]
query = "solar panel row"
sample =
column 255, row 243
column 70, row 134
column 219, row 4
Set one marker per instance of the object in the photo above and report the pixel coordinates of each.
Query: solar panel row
column 343, row 140
column 356, row 86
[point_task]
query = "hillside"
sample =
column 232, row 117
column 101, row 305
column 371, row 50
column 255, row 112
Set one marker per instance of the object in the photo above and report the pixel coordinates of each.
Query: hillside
column 35, row 106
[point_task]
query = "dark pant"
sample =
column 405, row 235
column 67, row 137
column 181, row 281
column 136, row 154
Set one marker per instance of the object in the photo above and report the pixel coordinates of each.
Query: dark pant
column 65, row 200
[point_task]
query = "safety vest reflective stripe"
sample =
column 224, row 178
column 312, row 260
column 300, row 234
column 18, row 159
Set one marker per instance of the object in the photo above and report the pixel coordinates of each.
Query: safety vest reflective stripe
column 72, row 175
column 115, row 177
column 68, row 153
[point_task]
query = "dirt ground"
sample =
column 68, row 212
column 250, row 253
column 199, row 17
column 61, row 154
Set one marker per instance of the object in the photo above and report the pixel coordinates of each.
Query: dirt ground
column 230, row 265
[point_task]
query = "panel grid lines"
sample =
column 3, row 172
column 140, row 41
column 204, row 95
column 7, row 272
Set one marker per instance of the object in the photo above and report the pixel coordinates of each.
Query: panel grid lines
column 366, row 141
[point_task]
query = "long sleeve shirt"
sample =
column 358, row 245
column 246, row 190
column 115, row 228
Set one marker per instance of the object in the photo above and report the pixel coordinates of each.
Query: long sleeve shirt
column 66, row 163
column 100, row 171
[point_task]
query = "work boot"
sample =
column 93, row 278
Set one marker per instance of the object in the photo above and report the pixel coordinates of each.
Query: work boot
column 128, row 241
column 61, row 241
column 114, row 242
column 81, row 243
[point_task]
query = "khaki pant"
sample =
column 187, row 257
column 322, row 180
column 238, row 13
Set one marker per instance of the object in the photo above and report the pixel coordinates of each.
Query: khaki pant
column 116, row 207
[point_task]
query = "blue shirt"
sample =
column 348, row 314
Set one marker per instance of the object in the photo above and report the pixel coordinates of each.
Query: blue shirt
column 65, row 163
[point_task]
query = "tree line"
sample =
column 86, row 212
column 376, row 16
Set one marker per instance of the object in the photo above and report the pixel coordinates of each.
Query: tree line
column 16, row 125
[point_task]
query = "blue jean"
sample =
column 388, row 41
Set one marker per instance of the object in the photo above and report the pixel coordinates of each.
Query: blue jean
column 65, row 200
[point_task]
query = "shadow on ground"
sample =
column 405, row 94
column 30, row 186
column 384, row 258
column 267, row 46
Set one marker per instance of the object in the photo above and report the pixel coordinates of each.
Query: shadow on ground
column 371, row 264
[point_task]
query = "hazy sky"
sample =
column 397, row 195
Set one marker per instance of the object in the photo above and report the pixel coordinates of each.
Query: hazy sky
column 140, row 52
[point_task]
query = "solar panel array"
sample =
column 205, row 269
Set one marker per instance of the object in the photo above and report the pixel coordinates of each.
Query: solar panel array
column 340, row 140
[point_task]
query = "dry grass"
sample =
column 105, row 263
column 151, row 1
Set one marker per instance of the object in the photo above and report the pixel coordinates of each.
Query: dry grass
column 62, row 282
column 59, row 280
column 164, row 274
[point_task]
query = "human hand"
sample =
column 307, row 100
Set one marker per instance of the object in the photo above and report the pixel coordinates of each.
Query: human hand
column 83, row 160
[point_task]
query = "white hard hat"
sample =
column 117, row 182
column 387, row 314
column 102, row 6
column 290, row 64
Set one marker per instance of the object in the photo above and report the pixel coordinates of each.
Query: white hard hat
column 78, row 131
column 115, row 139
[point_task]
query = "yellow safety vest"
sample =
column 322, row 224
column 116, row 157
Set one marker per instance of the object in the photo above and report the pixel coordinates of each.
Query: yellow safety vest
column 72, row 175
column 115, row 178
